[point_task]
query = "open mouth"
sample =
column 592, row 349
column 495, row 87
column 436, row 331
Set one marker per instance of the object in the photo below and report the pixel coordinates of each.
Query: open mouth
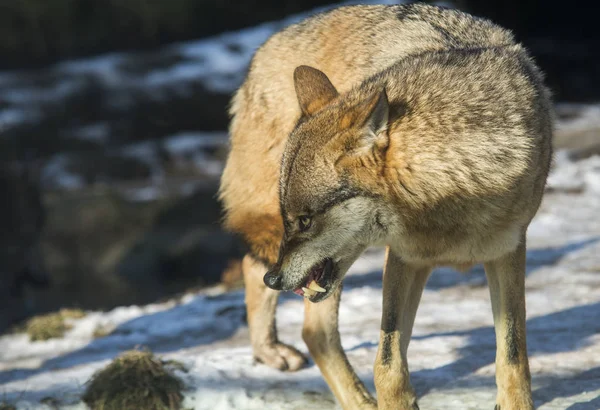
column 318, row 281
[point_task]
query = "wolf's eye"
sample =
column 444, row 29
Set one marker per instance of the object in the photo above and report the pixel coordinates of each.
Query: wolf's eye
column 304, row 223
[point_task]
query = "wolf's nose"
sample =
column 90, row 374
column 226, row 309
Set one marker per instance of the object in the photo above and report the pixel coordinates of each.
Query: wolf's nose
column 273, row 280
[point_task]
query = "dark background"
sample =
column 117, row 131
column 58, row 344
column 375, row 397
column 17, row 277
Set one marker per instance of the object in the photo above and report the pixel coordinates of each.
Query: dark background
column 93, row 243
column 34, row 33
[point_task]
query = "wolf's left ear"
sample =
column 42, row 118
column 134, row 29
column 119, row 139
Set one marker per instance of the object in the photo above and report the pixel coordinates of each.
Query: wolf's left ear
column 313, row 88
column 372, row 117
column 379, row 113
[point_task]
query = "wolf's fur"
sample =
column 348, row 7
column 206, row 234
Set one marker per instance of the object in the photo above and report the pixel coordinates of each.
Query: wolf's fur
column 423, row 129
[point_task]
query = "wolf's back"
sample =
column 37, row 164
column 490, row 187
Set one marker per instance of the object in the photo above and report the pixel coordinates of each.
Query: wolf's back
column 352, row 43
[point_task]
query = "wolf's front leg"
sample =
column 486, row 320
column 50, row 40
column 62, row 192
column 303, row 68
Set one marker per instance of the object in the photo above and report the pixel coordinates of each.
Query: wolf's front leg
column 322, row 337
column 402, row 288
column 261, row 303
column 506, row 279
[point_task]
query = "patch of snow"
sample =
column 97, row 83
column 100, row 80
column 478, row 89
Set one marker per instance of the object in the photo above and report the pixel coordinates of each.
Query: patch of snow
column 186, row 142
column 575, row 176
column 95, row 132
column 143, row 151
column 145, row 194
column 146, row 152
column 12, row 117
column 578, row 117
column 192, row 146
column 208, row 166
column 56, row 175
column 23, row 96
column 102, row 67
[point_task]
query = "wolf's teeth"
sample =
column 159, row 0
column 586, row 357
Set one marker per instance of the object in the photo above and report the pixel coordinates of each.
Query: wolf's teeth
column 309, row 292
column 315, row 286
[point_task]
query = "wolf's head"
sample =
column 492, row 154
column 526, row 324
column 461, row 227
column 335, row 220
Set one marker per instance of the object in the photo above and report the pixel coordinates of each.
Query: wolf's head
column 330, row 186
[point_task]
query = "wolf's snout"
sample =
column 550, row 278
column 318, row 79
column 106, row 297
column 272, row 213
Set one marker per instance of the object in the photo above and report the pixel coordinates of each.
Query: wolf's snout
column 273, row 280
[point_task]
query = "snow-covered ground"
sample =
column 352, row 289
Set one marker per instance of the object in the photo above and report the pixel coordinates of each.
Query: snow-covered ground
column 451, row 355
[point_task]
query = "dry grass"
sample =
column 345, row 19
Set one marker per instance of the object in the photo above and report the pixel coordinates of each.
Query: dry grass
column 102, row 331
column 51, row 325
column 135, row 380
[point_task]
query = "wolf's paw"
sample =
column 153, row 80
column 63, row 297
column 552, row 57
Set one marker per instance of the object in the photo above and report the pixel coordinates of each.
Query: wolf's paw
column 281, row 356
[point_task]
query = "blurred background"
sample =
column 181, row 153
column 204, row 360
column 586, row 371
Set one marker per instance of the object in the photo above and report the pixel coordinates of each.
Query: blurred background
column 113, row 133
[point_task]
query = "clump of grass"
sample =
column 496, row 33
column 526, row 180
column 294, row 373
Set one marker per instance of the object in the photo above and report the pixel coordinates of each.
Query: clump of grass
column 51, row 325
column 5, row 406
column 135, row 380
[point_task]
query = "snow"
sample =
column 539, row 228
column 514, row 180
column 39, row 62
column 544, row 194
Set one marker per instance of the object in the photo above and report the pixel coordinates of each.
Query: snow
column 11, row 117
column 451, row 354
column 583, row 117
column 97, row 132
column 185, row 148
column 57, row 171
column 182, row 143
column 584, row 174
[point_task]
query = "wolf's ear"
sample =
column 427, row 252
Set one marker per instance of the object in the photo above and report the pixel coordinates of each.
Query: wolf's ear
column 379, row 113
column 313, row 88
column 371, row 117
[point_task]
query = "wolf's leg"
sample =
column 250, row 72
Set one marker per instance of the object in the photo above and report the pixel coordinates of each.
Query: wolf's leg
column 506, row 279
column 402, row 288
column 261, row 303
column 322, row 337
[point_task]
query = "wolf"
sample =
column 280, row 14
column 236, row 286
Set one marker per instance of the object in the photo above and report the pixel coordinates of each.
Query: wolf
column 422, row 129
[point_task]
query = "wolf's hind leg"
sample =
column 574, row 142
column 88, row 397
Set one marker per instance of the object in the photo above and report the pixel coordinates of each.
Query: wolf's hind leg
column 261, row 303
column 506, row 280
column 402, row 289
column 322, row 337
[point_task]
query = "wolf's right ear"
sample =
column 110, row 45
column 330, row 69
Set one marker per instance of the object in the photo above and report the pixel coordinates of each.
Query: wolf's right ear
column 313, row 89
